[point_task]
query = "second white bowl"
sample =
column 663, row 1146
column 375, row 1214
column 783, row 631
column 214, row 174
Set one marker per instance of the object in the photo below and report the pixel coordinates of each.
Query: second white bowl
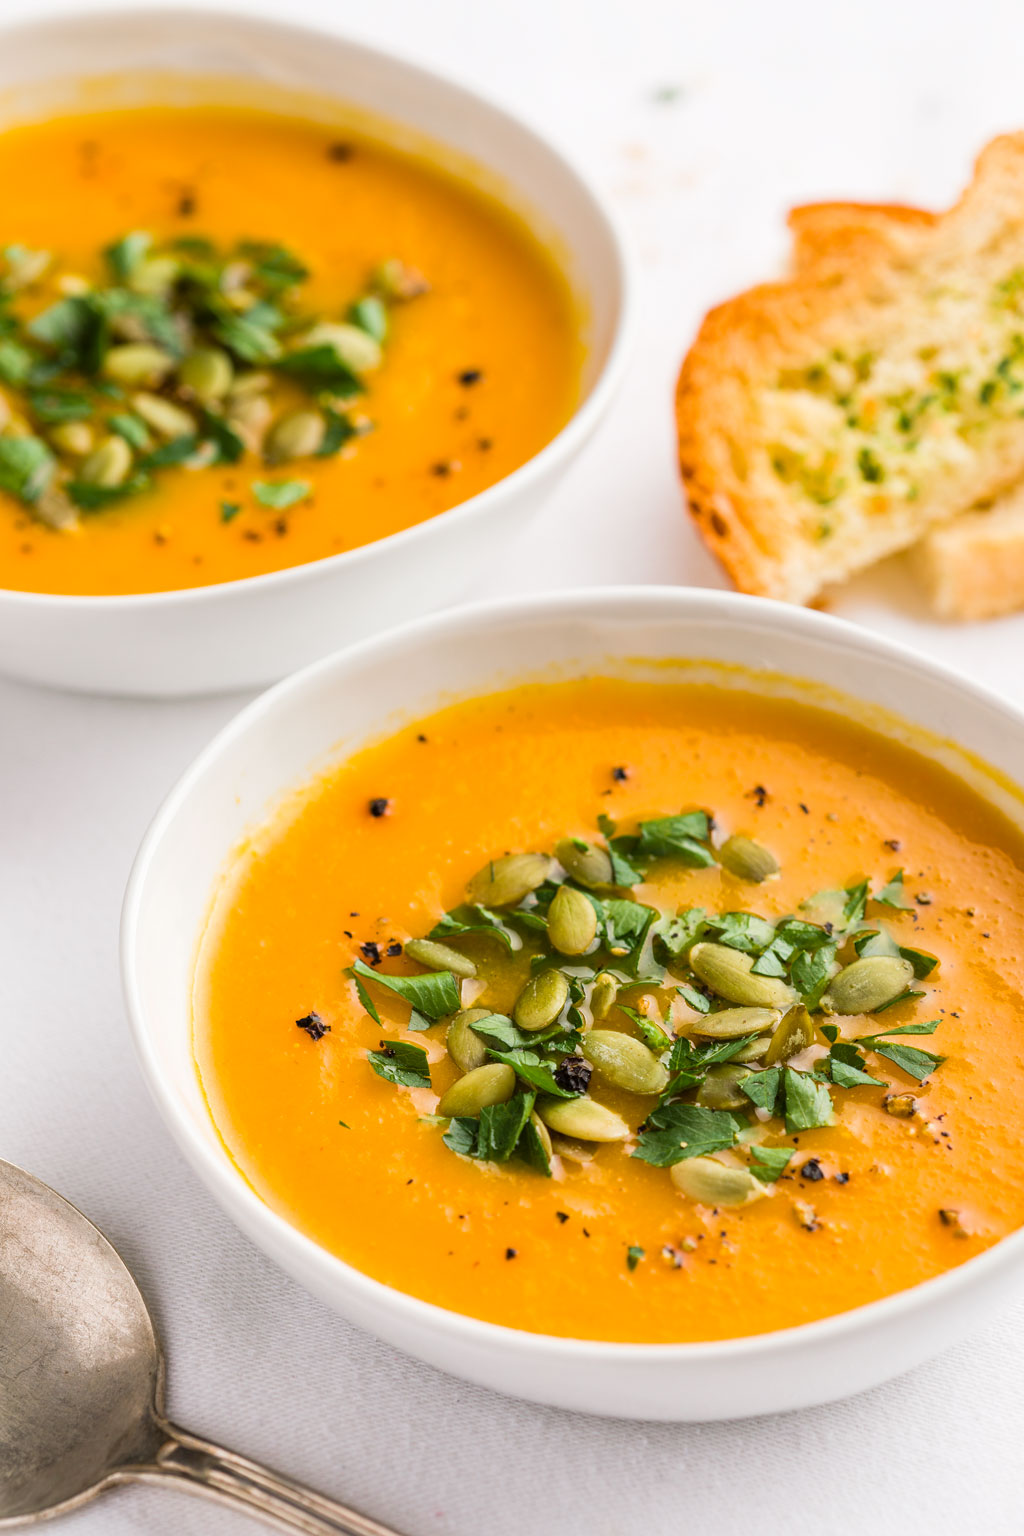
column 242, row 633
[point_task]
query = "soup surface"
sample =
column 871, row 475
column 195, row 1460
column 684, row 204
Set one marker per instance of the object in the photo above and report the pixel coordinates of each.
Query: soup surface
column 894, row 1180
column 479, row 368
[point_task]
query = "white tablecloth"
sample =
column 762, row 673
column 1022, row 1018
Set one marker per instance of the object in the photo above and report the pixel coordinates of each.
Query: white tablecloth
column 703, row 121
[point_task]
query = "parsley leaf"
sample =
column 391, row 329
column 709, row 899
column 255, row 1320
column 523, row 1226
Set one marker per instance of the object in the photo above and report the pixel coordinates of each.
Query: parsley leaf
column 280, row 493
column 532, row 1150
column 124, row 255
column 320, row 367
column 696, row 1000
column 370, row 315
column 472, row 919
column 925, row 1027
column 893, row 894
column 653, row 1036
column 856, row 901
column 337, row 432
column 916, row 1064
column 431, row 996
column 768, row 1163
column 673, row 936
column 398, row 1061
column 26, row 467
column 811, row 972
column 626, row 924
column 528, row 1066
column 679, row 837
column 633, row 1256
column 501, row 1126
column 132, row 428
column 230, row 447
column 744, row 931
column 808, row 1104
column 176, row 451
column 846, row 1066
column 923, row 962
column 675, row 1132
column 762, row 1088
column 90, row 497
column 496, row 1135
column 461, row 1137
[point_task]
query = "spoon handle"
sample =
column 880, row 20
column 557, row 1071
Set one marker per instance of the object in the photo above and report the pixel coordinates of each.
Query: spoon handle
column 185, row 1461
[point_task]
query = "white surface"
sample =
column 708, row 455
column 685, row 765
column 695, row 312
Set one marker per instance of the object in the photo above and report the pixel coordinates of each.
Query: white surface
column 287, row 736
column 780, row 103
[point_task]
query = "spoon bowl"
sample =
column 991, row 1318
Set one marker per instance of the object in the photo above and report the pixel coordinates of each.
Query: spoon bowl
column 81, row 1382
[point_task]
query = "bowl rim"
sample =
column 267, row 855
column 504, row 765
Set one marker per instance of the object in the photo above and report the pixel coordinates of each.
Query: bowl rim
column 559, row 449
column 229, row 1184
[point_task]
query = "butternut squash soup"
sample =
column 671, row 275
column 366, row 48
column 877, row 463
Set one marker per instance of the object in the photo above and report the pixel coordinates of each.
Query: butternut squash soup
column 649, row 1012
column 232, row 341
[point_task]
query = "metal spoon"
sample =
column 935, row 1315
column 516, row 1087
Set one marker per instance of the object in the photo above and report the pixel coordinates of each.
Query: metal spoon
column 81, row 1383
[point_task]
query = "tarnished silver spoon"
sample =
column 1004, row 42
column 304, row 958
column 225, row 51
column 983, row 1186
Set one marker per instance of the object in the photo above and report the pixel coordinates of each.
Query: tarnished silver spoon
column 81, row 1383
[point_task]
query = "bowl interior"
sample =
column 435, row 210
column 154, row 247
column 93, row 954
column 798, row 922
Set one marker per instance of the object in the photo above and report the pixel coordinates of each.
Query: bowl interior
column 169, row 57
column 308, row 722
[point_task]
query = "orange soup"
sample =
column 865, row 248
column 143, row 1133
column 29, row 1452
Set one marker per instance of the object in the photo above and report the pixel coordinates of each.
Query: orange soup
column 232, row 341
column 699, row 1012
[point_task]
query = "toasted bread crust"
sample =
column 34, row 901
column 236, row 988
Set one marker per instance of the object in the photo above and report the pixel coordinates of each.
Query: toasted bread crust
column 854, row 265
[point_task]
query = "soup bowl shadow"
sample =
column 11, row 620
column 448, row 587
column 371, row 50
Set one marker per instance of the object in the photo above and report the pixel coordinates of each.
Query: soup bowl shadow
column 314, row 719
column 248, row 632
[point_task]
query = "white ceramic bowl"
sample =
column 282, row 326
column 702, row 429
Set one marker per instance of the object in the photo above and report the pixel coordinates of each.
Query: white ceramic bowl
column 242, row 633
column 311, row 720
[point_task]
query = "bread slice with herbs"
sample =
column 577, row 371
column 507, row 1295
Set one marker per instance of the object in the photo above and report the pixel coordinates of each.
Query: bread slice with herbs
column 831, row 419
column 973, row 566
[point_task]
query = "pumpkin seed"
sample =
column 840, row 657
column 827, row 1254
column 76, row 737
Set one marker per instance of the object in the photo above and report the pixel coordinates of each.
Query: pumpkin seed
column 492, row 1084
column 603, row 995
column 55, row 508
column 541, row 1000
column 73, row 284
column 396, row 281
column 720, row 1088
column 76, row 438
column 439, row 957
column 352, row 346
column 710, row 1182
column 505, row 881
column 250, row 417
column 902, row 1105
column 794, row 1033
column 583, row 1118
column 208, row 372
column 155, row 275
column 255, row 382
column 572, row 921
column 868, row 984
column 137, row 363
column 295, row 436
column 24, row 267
column 543, row 1135
column 465, row 1047
column 731, row 1023
column 624, row 1061
column 748, row 860
column 109, row 464
column 728, row 972
column 571, row 1150
column 755, row 1051
column 589, row 865
column 166, row 419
